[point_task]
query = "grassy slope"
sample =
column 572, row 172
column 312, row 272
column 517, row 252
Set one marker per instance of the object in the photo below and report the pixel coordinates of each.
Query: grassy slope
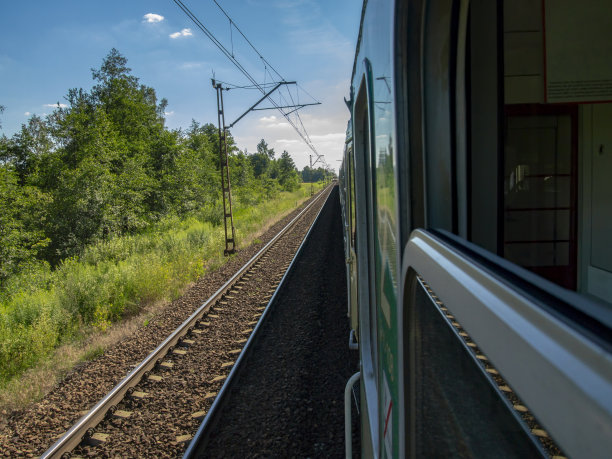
column 111, row 281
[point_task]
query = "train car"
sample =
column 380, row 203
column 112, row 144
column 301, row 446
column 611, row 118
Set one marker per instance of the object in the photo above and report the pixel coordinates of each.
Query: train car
column 477, row 207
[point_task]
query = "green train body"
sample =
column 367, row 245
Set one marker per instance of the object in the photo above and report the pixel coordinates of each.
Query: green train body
column 478, row 223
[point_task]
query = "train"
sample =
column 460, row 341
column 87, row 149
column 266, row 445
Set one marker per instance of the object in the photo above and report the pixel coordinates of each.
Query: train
column 477, row 216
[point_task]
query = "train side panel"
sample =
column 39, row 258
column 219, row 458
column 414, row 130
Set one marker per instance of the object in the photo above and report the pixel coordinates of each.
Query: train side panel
column 464, row 175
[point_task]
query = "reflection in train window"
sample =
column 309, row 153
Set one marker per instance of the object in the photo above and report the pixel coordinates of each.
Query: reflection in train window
column 552, row 129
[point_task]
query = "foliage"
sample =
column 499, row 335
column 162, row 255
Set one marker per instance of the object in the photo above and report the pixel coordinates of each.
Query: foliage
column 103, row 208
column 20, row 214
column 312, row 175
column 42, row 309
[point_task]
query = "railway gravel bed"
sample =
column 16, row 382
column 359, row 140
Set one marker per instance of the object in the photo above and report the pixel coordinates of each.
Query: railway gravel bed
column 289, row 398
column 30, row 432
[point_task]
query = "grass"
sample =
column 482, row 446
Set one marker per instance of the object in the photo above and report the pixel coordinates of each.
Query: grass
column 52, row 320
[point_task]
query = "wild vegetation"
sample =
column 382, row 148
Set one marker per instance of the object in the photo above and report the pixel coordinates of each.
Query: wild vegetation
column 103, row 209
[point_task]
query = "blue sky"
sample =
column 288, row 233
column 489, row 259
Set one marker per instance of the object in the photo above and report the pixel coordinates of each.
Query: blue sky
column 48, row 47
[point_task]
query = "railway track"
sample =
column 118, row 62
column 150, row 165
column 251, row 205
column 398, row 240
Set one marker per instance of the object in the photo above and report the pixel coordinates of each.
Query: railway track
column 529, row 420
column 288, row 398
column 158, row 406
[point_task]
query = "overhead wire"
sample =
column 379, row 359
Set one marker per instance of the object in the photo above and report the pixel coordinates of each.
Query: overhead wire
column 305, row 137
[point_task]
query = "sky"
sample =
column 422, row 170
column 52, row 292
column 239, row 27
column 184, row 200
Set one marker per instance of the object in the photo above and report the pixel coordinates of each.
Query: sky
column 47, row 47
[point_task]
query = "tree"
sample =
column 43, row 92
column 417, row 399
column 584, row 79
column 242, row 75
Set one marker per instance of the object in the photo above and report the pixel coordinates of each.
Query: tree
column 311, row 175
column 287, row 173
column 21, row 210
column 260, row 163
column 262, row 148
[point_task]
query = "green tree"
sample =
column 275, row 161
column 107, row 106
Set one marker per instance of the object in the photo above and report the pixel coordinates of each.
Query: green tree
column 288, row 176
column 262, row 148
column 27, row 147
column 21, row 210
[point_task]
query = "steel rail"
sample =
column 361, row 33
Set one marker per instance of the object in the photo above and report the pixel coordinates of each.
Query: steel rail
column 200, row 439
column 78, row 431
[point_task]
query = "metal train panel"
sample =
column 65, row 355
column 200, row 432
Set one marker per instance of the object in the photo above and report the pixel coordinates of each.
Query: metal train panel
column 462, row 137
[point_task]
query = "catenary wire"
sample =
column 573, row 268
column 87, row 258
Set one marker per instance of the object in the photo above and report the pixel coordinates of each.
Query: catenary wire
column 305, row 137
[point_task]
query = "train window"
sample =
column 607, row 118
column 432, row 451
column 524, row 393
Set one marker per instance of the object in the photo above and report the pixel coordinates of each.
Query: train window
column 517, row 150
column 541, row 138
column 459, row 412
column 438, row 102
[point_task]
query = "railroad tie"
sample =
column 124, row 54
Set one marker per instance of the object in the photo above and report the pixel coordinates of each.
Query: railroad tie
column 520, row 408
column 183, row 439
column 539, row 433
column 97, row 439
column 122, row 414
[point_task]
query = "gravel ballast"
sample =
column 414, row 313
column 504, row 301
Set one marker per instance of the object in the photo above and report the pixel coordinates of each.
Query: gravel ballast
column 289, row 399
column 30, row 432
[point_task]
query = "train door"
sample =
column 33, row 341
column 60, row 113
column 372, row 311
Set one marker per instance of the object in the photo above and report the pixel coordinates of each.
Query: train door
column 352, row 240
column 364, row 203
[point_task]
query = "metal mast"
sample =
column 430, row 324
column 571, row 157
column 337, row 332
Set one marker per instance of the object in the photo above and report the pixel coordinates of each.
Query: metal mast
column 228, row 217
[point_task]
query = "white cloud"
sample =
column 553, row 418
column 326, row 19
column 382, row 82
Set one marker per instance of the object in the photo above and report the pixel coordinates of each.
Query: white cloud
column 191, row 65
column 57, row 105
column 287, row 141
column 329, row 137
column 182, row 33
column 152, row 17
column 27, row 114
column 272, row 122
column 170, row 113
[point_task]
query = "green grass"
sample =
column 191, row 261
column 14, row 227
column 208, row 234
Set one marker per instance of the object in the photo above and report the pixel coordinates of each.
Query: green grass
column 43, row 308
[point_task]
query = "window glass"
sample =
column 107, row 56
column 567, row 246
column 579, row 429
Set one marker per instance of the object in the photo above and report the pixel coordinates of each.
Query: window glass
column 553, row 129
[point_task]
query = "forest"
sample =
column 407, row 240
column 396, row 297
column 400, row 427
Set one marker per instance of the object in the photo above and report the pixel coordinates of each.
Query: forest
column 106, row 165
column 101, row 205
